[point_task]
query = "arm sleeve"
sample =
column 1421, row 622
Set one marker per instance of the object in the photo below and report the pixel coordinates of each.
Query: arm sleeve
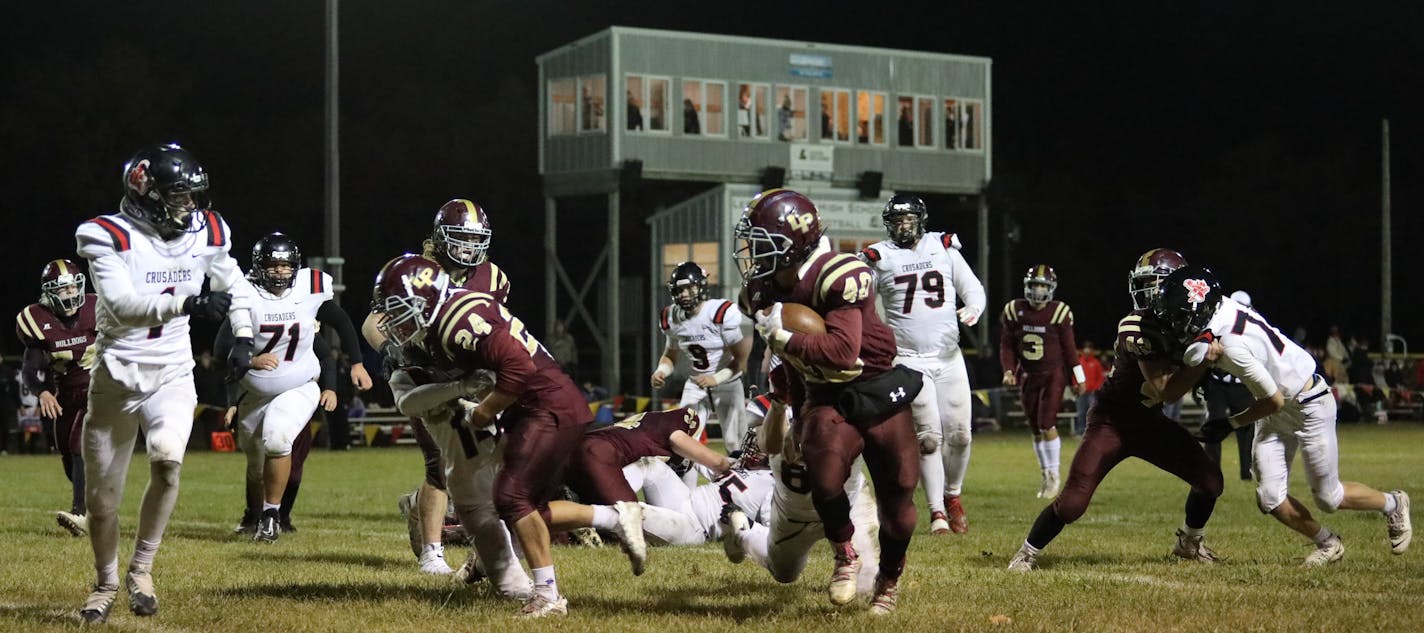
column 1238, row 360
column 839, row 347
column 330, row 314
column 227, row 277
column 326, row 381
column 222, row 343
column 111, row 277
column 30, row 368
column 966, row 285
column 1008, row 344
column 416, row 401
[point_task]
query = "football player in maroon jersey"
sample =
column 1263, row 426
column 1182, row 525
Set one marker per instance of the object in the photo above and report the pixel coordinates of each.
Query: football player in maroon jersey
column 1127, row 421
column 459, row 240
column 784, row 257
column 541, row 413
column 58, row 333
column 596, row 475
column 1036, row 350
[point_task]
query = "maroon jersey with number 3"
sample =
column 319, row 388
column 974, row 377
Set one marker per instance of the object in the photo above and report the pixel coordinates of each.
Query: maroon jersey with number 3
column 1037, row 340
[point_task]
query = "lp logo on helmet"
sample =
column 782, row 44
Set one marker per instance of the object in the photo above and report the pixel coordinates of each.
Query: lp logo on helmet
column 1196, row 290
column 801, row 221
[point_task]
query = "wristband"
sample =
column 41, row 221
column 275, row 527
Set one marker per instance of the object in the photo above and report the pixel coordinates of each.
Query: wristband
column 1078, row 376
column 664, row 369
column 723, row 375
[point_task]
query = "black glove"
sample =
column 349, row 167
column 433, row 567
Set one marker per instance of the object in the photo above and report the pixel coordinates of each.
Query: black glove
column 1215, row 430
column 240, row 358
column 212, row 306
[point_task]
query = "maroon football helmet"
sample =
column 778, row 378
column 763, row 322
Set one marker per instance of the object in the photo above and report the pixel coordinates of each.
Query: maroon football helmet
column 409, row 291
column 462, row 234
column 62, row 286
column 779, row 229
column 1151, row 268
column 1039, row 283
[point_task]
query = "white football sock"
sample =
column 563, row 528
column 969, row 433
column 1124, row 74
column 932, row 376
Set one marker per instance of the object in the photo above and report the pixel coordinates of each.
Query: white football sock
column 1390, row 503
column 1051, row 449
column 143, row 554
column 545, row 583
column 1188, row 530
column 1322, row 536
column 605, row 517
column 1040, row 451
column 956, row 464
column 754, row 543
column 932, row 475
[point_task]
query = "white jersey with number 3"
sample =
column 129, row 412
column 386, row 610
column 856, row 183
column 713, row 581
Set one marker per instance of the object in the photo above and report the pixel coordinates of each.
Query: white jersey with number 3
column 918, row 288
column 285, row 325
column 704, row 336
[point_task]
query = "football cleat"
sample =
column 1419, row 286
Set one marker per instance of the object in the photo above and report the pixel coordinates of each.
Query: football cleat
column 887, row 593
column 77, row 524
column 471, row 571
column 939, row 522
column 842, row 587
column 143, row 601
column 539, row 606
column 958, row 521
column 1333, row 550
column 433, row 562
column 408, row 509
column 1401, row 531
column 1024, row 560
column 1192, row 548
column 734, row 521
column 248, row 524
column 97, row 606
column 267, row 529
column 630, row 533
column 1049, row 487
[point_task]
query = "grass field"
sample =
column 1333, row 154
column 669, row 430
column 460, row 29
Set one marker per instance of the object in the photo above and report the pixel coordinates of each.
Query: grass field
column 349, row 568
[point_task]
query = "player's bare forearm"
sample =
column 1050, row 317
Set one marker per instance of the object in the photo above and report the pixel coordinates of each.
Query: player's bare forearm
column 689, row 448
column 1261, row 408
column 496, row 402
column 1181, row 381
column 839, row 347
column 773, row 429
column 372, row 333
column 740, row 351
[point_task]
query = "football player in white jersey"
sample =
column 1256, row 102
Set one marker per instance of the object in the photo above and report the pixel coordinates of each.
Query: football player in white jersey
column 279, row 394
column 918, row 276
column 1294, row 410
column 782, row 542
column 673, row 514
column 148, row 263
column 471, row 458
column 710, row 333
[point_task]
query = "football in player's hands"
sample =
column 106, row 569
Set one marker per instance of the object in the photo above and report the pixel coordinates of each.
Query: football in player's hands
column 1215, row 430
column 797, row 318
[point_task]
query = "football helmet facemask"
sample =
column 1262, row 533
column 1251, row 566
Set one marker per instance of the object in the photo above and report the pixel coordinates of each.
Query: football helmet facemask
column 1147, row 274
column 904, row 217
column 1039, row 283
column 275, row 260
column 461, row 234
column 1186, row 301
column 62, row 286
column 409, row 290
column 688, row 286
column 164, row 186
column 779, row 229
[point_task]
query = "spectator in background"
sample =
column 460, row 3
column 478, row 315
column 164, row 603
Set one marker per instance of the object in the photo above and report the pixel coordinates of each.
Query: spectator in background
column 563, row 348
column 635, row 114
column 1299, row 336
column 9, row 407
column 1093, row 370
column 337, row 420
column 744, row 110
column 691, row 124
column 1361, row 368
column 907, row 126
column 783, row 118
column 1335, row 349
column 826, row 132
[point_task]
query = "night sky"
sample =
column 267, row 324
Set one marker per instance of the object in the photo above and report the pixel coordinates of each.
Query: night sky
column 1246, row 137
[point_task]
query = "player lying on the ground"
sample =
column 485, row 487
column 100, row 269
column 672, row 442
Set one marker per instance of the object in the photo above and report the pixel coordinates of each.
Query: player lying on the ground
column 1127, row 421
column 787, row 527
column 1294, row 410
column 674, row 514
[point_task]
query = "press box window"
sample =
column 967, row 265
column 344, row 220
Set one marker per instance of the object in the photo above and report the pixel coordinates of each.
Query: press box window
column 835, row 115
column 791, row 113
column 592, row 93
column 563, row 107
column 870, row 117
column 752, row 100
column 646, row 109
